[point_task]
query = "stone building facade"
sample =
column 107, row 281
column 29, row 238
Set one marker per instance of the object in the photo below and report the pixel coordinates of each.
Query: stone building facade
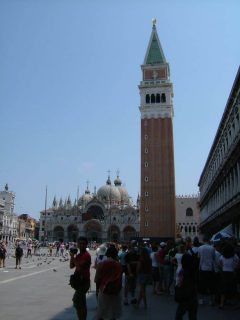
column 187, row 216
column 219, row 182
column 26, row 227
column 8, row 219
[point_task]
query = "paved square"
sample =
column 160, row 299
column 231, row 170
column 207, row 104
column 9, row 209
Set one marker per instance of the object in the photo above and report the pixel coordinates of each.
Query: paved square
column 40, row 291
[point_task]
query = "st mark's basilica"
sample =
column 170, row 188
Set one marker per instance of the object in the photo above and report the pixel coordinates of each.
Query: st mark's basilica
column 106, row 214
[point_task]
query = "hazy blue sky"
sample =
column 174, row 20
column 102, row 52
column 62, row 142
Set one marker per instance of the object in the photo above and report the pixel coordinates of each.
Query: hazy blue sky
column 69, row 98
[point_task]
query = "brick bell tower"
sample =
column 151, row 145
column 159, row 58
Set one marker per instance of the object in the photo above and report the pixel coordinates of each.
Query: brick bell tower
column 157, row 202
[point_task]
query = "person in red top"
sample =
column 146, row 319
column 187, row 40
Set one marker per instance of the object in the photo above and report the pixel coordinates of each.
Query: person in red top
column 82, row 263
column 109, row 272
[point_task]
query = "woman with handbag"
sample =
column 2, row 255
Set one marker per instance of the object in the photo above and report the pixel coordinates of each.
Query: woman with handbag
column 82, row 263
column 109, row 277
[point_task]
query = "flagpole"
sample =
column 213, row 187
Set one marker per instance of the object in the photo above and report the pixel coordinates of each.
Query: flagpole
column 45, row 214
column 77, row 194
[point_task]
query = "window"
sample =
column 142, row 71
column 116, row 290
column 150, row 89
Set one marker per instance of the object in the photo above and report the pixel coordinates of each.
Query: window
column 163, row 98
column 189, row 212
column 146, row 209
column 147, row 98
column 158, row 98
column 146, row 164
column 152, row 98
column 146, row 150
column 146, row 193
column 237, row 117
column 145, row 136
column 146, row 179
column 146, row 223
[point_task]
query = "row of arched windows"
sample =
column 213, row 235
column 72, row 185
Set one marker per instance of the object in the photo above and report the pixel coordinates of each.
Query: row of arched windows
column 226, row 190
column 156, row 98
column 188, row 229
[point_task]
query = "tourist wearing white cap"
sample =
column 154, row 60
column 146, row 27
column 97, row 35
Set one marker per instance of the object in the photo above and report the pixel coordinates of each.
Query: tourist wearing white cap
column 100, row 257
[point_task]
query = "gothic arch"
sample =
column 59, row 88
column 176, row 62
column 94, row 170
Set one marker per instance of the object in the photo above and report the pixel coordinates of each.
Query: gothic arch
column 114, row 233
column 58, row 233
column 189, row 212
column 95, row 211
column 73, row 232
column 128, row 233
column 93, row 230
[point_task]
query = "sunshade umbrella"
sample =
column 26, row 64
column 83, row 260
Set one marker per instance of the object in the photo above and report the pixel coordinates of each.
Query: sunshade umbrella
column 220, row 236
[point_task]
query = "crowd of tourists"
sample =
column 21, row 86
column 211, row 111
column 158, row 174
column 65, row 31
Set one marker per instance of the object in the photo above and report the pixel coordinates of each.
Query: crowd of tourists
column 192, row 272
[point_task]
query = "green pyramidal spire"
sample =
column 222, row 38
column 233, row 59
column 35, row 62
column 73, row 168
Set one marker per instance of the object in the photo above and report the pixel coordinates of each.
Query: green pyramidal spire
column 154, row 53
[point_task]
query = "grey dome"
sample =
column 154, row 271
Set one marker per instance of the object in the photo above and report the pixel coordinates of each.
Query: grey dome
column 117, row 181
column 124, row 195
column 86, row 197
column 109, row 193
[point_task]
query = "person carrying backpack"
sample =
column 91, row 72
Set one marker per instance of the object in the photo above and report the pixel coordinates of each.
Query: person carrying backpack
column 192, row 249
column 18, row 255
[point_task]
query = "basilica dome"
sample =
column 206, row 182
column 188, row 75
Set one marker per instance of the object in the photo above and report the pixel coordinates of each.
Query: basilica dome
column 124, row 195
column 123, row 192
column 109, row 192
column 86, row 197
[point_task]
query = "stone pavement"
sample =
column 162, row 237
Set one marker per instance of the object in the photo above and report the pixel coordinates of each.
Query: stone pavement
column 40, row 291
